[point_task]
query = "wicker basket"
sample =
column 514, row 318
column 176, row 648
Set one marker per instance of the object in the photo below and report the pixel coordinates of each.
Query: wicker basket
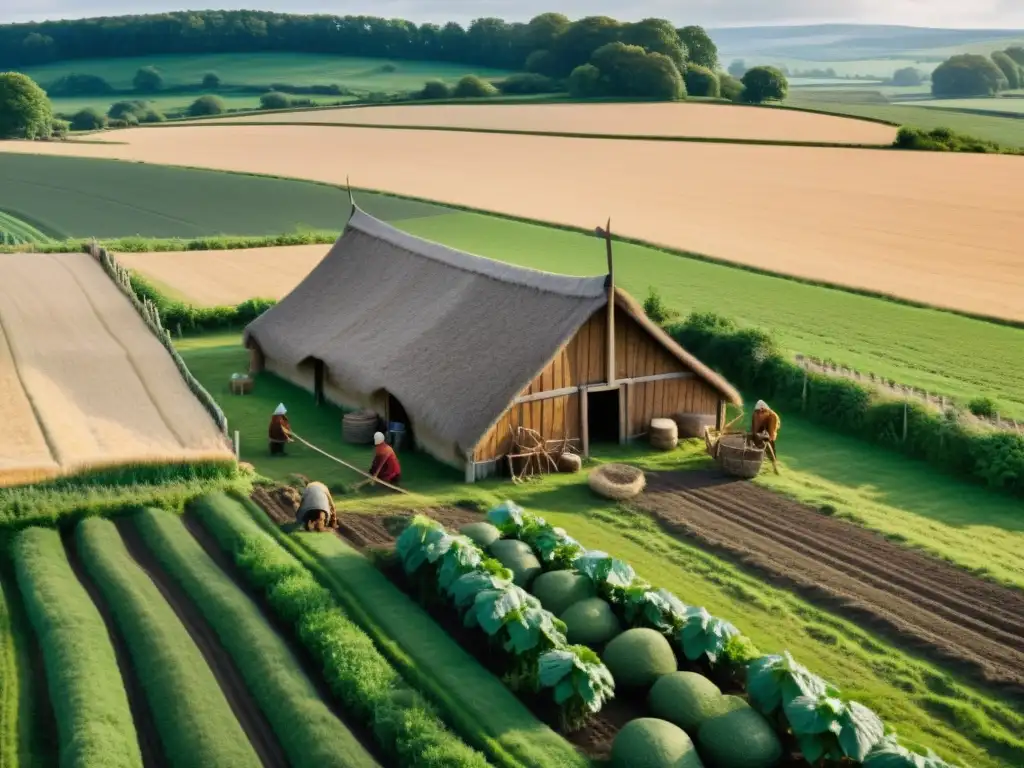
column 735, row 453
column 617, row 481
column 358, row 427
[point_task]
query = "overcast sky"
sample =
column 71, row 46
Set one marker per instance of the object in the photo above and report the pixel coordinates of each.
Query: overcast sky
column 711, row 13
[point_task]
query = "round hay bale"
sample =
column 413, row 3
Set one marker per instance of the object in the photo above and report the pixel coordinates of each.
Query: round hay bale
column 617, row 481
column 663, row 429
column 569, row 463
column 693, row 424
column 664, row 443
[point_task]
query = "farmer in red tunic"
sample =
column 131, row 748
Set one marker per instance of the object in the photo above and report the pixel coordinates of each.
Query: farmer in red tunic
column 385, row 463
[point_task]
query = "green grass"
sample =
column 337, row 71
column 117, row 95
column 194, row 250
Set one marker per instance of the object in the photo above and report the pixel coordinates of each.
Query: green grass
column 406, row 727
column 65, row 502
column 912, row 345
column 192, row 716
column 310, row 734
column 9, row 685
column 1013, row 106
column 1002, row 130
column 481, row 696
column 14, row 231
column 94, row 721
column 71, row 197
column 254, row 69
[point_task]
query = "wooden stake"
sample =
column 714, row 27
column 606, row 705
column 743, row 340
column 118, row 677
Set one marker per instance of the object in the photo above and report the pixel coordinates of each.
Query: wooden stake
column 238, row 453
column 611, row 302
column 584, row 427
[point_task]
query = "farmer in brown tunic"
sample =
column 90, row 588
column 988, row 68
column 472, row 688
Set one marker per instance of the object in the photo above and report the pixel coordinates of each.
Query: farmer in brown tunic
column 316, row 511
column 280, row 432
column 765, row 425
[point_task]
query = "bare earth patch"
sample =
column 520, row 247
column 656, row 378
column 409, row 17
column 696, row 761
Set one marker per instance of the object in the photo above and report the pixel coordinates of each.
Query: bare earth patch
column 720, row 121
column 92, row 376
column 214, row 278
column 940, row 228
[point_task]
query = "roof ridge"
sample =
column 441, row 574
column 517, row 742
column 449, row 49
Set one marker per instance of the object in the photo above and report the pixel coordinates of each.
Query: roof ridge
column 548, row 282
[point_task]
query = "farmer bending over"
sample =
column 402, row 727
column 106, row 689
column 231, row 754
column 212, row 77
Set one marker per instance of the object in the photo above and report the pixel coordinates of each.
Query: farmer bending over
column 317, row 509
column 280, row 431
column 385, row 463
column 765, row 425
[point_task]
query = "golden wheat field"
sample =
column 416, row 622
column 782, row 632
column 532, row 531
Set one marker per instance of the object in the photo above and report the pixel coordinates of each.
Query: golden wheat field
column 83, row 381
column 941, row 228
column 212, row 278
column 720, row 121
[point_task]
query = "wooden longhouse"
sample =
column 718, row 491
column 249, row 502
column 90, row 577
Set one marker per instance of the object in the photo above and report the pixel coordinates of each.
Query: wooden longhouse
column 465, row 350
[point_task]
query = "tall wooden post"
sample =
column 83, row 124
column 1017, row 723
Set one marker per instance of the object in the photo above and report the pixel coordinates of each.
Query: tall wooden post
column 607, row 232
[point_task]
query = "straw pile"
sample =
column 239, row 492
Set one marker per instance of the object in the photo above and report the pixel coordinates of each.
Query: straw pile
column 358, row 427
column 664, row 434
column 617, row 481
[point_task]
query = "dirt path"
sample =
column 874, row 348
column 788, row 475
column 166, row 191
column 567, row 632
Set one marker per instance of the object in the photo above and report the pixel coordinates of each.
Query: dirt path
column 244, row 706
column 149, row 738
column 921, row 601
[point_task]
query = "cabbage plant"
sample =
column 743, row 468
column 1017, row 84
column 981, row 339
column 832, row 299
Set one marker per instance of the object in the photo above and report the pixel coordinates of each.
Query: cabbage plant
column 774, row 681
column 703, row 635
column 830, row 728
column 581, row 683
column 889, row 753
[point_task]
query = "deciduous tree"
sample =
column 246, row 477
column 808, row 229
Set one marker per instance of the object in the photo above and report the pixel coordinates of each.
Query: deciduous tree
column 1009, row 68
column 967, row 74
column 699, row 47
column 25, row 111
column 761, row 84
column 148, row 80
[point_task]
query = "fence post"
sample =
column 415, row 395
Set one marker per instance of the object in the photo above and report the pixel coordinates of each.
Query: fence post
column 237, row 449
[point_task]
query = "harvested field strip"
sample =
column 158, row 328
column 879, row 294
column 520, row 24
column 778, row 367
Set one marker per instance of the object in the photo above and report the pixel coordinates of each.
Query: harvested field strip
column 307, row 730
column 926, row 603
column 25, row 456
column 916, row 237
column 193, row 717
column 707, row 121
column 498, row 711
column 102, row 387
column 406, row 728
column 215, row 278
column 94, row 720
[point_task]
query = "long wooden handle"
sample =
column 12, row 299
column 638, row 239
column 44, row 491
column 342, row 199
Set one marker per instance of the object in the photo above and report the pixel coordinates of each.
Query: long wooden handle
column 346, row 464
column 771, row 452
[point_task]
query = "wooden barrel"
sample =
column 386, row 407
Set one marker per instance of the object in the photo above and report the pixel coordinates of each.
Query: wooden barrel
column 738, row 456
column 358, row 427
column 663, row 434
column 693, row 424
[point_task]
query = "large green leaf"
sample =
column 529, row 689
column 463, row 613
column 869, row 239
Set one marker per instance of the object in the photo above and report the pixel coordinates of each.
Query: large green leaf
column 554, row 666
column 861, row 730
column 410, row 544
column 507, row 517
column 775, row 680
column 492, row 608
column 704, row 635
column 465, row 588
column 889, row 753
column 808, row 716
column 436, row 542
column 462, row 557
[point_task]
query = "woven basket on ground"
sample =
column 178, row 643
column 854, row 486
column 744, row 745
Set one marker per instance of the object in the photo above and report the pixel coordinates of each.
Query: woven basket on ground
column 358, row 427
column 664, row 434
column 692, row 424
column 569, row 463
column 617, row 481
column 735, row 454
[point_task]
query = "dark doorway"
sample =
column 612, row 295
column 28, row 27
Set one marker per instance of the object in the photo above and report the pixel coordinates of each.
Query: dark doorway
column 603, row 416
column 395, row 413
column 318, row 381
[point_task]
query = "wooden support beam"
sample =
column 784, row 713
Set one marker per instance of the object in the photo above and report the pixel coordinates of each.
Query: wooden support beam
column 470, row 469
column 611, row 303
column 622, row 415
column 584, row 428
column 563, row 392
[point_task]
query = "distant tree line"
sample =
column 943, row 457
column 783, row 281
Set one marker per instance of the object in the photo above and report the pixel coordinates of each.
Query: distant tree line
column 971, row 74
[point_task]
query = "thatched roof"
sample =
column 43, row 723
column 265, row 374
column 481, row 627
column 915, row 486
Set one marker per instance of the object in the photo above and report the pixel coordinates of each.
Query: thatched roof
column 453, row 336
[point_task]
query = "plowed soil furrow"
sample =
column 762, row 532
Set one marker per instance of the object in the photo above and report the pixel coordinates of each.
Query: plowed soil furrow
column 242, row 703
column 149, row 739
column 920, row 601
column 879, row 572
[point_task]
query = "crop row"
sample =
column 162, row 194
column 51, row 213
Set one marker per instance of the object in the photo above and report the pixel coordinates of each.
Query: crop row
column 309, row 733
column 802, row 706
column 94, row 721
column 405, row 726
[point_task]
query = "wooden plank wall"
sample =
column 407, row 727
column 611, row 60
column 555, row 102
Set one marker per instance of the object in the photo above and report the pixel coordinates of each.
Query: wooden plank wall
column 582, row 361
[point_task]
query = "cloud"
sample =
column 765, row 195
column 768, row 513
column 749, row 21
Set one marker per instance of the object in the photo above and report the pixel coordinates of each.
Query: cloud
column 939, row 13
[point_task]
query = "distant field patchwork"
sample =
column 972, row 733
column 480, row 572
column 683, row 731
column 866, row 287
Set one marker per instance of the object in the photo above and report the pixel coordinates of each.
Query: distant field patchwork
column 66, row 197
column 683, row 120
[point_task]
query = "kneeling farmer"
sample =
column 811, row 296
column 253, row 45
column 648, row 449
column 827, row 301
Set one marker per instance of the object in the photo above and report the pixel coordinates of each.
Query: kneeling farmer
column 317, row 509
column 765, row 425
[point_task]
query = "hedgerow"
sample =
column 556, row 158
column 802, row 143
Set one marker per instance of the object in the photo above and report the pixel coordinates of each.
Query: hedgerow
column 308, row 731
column 751, row 359
column 186, row 318
column 403, row 723
column 9, row 685
column 192, row 716
column 94, row 720
column 825, row 724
